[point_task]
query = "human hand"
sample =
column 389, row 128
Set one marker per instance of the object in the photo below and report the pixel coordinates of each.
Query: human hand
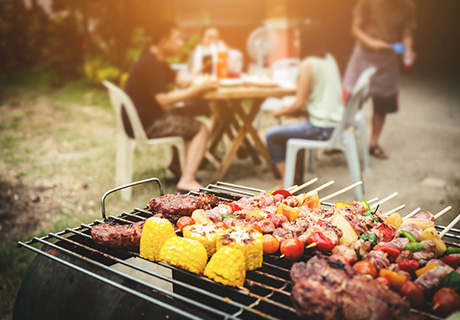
column 276, row 113
column 207, row 85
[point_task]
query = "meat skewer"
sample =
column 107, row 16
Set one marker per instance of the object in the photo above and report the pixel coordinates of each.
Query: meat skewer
column 391, row 196
column 443, row 233
column 339, row 192
column 411, row 214
column 306, row 184
column 440, row 213
column 394, row 210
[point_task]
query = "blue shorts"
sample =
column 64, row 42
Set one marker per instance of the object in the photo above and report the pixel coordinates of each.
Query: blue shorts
column 278, row 136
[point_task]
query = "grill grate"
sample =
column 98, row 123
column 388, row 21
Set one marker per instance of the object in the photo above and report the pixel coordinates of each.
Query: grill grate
column 266, row 293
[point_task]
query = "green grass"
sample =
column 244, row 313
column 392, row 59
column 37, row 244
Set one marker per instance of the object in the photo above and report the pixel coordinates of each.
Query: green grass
column 59, row 144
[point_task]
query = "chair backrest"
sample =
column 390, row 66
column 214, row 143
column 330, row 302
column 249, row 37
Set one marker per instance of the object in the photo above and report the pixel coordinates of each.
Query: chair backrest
column 119, row 100
column 354, row 103
column 285, row 70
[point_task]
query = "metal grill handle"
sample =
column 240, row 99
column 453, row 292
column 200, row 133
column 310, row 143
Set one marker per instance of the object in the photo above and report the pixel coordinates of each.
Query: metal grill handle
column 128, row 186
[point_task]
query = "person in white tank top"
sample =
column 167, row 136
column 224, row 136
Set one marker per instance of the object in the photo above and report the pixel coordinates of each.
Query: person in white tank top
column 319, row 94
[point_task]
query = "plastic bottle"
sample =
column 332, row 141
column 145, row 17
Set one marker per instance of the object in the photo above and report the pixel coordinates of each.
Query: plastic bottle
column 222, row 66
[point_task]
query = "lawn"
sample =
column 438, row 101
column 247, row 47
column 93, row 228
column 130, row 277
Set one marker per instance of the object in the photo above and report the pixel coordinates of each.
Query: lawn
column 57, row 158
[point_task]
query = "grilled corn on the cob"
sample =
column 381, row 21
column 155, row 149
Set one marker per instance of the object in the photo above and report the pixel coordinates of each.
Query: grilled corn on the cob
column 206, row 234
column 184, row 253
column 227, row 266
column 250, row 242
column 154, row 234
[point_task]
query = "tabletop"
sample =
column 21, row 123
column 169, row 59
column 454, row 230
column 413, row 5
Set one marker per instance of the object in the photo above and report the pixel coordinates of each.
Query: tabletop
column 248, row 92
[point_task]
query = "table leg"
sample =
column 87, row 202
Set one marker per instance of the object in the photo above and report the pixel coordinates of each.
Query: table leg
column 247, row 120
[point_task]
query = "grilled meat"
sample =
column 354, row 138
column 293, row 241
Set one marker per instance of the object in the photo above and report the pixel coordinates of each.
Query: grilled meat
column 127, row 236
column 427, row 253
column 430, row 280
column 425, row 215
column 174, row 206
column 404, row 256
column 324, row 288
column 397, row 243
column 414, row 229
column 378, row 258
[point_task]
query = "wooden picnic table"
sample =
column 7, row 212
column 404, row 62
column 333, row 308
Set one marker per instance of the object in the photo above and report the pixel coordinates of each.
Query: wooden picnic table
column 229, row 114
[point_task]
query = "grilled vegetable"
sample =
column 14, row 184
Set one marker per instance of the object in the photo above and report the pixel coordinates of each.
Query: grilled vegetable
column 156, row 231
column 426, row 268
column 312, row 200
column 370, row 214
column 253, row 226
column 413, row 293
column 452, row 250
column 387, row 233
column 227, row 266
column 383, row 281
column 323, row 243
column 393, row 253
column 342, row 205
column 409, row 265
column 445, row 301
column 199, row 216
column 415, row 246
column 369, row 236
column 349, row 233
column 248, row 241
column 184, row 253
column 365, row 267
column 431, row 234
column 206, row 234
column 394, row 220
column 451, row 260
column 271, row 244
column 452, row 280
column 289, row 212
column 396, row 279
column 365, row 205
column 419, row 222
column 282, row 192
column 292, row 248
column 408, row 235
column 184, row 221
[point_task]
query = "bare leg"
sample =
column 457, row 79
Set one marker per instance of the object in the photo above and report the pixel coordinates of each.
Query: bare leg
column 195, row 153
column 279, row 183
column 378, row 120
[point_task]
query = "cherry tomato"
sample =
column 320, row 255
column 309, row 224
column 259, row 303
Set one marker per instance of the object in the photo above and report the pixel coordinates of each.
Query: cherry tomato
column 340, row 258
column 234, row 206
column 445, row 301
column 413, row 292
column 384, row 281
column 220, row 225
column 184, row 221
column 282, row 192
column 254, row 226
column 271, row 244
column 292, row 248
column 365, row 267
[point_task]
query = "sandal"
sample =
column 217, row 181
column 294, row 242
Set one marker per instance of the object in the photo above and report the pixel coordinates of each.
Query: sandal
column 377, row 152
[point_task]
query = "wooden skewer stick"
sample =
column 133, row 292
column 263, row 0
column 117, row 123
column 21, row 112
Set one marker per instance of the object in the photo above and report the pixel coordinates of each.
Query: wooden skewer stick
column 394, row 210
column 411, row 214
column 311, row 245
column 443, row 233
column 440, row 213
column 324, row 186
column 372, row 200
column 292, row 188
column 335, row 194
column 306, row 184
column 391, row 196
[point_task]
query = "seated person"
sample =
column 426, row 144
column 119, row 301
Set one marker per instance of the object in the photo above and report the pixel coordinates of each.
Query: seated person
column 204, row 57
column 319, row 93
column 148, row 87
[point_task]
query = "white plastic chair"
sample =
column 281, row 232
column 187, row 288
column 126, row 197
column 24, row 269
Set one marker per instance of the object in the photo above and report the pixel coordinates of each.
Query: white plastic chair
column 343, row 139
column 284, row 72
column 126, row 145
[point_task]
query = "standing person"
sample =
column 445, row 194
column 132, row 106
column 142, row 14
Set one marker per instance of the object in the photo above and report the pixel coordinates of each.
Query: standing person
column 148, row 87
column 319, row 94
column 377, row 24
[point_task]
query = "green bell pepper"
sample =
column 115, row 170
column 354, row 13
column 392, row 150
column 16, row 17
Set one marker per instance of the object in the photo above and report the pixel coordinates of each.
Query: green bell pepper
column 369, row 236
column 370, row 214
column 452, row 280
column 366, row 205
column 452, row 250
column 415, row 246
column 408, row 235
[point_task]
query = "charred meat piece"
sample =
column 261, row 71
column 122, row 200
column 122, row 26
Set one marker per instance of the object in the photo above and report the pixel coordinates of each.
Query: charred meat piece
column 126, row 236
column 378, row 258
column 174, row 206
column 404, row 256
column 427, row 253
column 324, row 288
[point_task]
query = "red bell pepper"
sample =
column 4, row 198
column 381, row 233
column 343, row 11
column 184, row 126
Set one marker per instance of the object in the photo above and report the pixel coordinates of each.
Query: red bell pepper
column 282, row 192
column 233, row 206
column 320, row 222
column 453, row 261
column 393, row 253
column 409, row 265
column 323, row 243
column 276, row 220
column 386, row 231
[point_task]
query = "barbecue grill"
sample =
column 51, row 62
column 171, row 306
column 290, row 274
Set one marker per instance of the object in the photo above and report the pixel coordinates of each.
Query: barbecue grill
column 73, row 278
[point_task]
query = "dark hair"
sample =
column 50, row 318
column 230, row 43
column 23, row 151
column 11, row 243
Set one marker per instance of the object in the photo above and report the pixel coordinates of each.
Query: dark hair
column 206, row 28
column 160, row 30
column 311, row 39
